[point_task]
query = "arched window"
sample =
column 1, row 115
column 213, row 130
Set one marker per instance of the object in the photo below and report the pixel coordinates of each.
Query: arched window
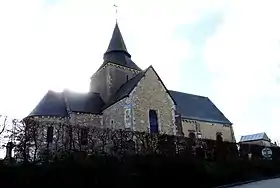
column 112, row 124
column 84, row 136
column 50, row 134
column 153, row 121
column 219, row 137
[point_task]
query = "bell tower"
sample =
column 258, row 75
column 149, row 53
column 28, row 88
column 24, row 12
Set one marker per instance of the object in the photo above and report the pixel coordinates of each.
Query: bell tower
column 117, row 68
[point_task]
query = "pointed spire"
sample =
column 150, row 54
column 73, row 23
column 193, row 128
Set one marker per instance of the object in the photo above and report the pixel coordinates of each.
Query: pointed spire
column 117, row 43
column 117, row 52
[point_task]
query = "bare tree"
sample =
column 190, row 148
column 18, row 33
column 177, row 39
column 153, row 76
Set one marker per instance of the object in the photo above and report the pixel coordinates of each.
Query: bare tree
column 3, row 124
column 19, row 133
column 3, row 127
column 59, row 136
column 94, row 143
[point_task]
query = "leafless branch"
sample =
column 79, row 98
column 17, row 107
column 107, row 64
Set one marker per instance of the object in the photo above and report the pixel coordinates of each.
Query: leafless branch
column 4, row 124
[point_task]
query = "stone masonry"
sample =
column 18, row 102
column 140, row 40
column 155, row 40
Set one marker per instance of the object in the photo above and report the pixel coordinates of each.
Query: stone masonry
column 113, row 116
column 208, row 130
column 86, row 119
column 112, row 76
column 150, row 94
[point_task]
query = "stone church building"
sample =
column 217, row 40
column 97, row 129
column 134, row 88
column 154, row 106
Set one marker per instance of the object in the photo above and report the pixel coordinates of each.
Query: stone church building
column 123, row 96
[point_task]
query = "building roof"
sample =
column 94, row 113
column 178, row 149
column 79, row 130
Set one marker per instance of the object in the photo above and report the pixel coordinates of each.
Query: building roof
column 198, row 108
column 117, row 52
column 254, row 137
column 117, row 42
column 89, row 102
column 190, row 106
column 127, row 87
column 52, row 104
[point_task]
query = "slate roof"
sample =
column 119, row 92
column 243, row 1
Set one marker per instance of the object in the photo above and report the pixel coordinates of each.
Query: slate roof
column 84, row 102
column 52, row 104
column 127, row 87
column 117, row 42
column 190, row 106
column 117, row 52
column 198, row 108
column 254, row 137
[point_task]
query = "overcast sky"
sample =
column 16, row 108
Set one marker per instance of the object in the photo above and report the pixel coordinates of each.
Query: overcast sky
column 227, row 50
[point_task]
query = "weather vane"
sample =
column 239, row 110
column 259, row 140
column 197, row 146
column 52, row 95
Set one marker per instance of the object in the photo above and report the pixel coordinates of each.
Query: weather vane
column 116, row 7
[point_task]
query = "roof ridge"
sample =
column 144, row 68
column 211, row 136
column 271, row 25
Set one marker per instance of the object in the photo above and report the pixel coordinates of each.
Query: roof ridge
column 141, row 74
column 77, row 92
column 52, row 91
column 119, row 96
column 51, row 104
column 254, row 133
column 188, row 93
column 133, row 78
column 198, row 107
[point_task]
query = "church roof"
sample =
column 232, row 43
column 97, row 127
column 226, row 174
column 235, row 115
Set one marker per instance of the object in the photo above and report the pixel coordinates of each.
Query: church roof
column 52, row 104
column 190, row 106
column 198, row 108
column 127, row 87
column 117, row 42
column 84, row 102
column 254, row 137
column 117, row 52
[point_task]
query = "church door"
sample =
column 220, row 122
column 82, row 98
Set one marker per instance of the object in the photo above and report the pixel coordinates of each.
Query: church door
column 153, row 121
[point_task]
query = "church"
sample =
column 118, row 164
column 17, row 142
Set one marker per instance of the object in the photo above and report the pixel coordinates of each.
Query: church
column 123, row 96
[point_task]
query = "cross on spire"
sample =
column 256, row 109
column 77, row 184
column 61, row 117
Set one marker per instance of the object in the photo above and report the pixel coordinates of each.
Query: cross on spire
column 116, row 7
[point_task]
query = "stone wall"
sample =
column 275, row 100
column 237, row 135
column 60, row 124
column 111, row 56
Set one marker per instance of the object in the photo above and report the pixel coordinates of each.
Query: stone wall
column 109, row 79
column 62, row 130
column 150, row 94
column 113, row 116
column 86, row 119
column 208, row 130
column 98, row 83
column 117, row 76
column 40, row 125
